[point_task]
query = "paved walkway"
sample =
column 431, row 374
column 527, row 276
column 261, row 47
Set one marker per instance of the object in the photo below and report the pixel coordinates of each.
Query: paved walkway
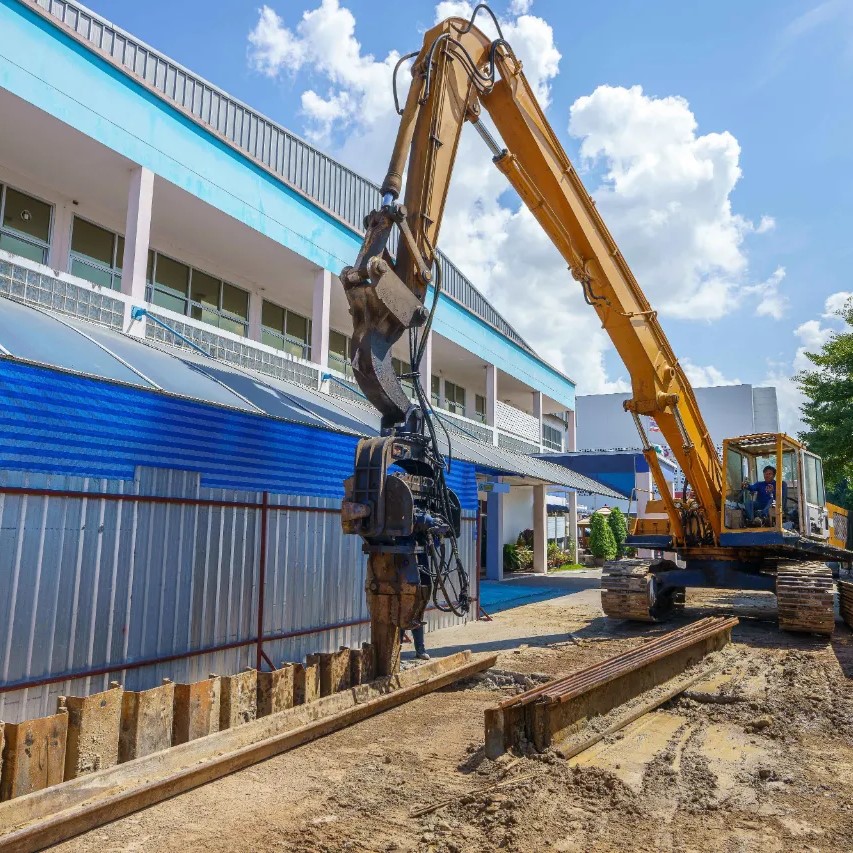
column 527, row 588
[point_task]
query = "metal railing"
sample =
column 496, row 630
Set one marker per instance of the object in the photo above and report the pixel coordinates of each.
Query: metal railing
column 342, row 192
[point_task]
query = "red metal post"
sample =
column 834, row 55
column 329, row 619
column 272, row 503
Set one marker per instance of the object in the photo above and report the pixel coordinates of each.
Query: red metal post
column 262, row 579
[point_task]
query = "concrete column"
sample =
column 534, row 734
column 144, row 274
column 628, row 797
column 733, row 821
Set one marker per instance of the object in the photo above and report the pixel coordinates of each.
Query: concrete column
column 643, row 485
column 137, row 232
column 494, row 537
column 537, row 413
column 320, row 314
column 572, row 522
column 58, row 258
column 540, row 529
column 572, row 431
column 426, row 368
column 256, row 306
column 492, row 400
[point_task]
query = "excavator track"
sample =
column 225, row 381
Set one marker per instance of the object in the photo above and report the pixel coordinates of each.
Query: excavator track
column 805, row 598
column 845, row 601
column 627, row 592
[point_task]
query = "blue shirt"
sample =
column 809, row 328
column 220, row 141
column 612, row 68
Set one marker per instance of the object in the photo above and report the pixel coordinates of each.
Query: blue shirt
column 765, row 493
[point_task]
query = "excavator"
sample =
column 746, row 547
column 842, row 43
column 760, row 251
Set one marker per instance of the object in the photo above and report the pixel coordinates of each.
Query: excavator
column 397, row 499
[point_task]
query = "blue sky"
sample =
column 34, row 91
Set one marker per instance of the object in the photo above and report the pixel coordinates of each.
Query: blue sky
column 775, row 75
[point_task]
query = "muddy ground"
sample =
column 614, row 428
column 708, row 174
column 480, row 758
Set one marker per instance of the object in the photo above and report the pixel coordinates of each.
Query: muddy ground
column 767, row 768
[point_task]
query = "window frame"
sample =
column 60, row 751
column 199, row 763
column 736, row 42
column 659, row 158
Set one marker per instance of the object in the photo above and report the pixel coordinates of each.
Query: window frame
column 114, row 272
column 552, row 444
column 452, row 403
column 21, row 236
column 479, row 414
column 284, row 336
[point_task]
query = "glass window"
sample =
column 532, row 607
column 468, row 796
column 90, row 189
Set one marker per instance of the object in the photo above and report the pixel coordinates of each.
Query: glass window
column 286, row 330
column 339, row 353
column 435, row 390
column 814, row 480
column 25, row 249
column 235, row 300
column 205, row 289
column 96, row 254
column 736, row 473
column 480, row 408
column 401, row 368
column 171, row 275
column 26, row 215
column 24, row 224
column 91, row 242
column 552, row 438
column 454, row 398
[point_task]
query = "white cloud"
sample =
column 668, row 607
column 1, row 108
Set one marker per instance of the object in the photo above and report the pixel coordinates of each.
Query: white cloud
column 705, row 376
column 812, row 335
column 324, row 40
column 666, row 195
column 520, row 7
column 665, row 192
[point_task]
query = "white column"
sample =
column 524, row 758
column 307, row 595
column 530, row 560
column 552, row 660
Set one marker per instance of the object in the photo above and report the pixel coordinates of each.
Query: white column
column 537, row 413
column 426, row 368
column 494, row 537
column 572, row 431
column 540, row 529
column 643, row 485
column 60, row 239
column 492, row 400
column 320, row 317
column 256, row 307
column 572, row 522
column 137, row 234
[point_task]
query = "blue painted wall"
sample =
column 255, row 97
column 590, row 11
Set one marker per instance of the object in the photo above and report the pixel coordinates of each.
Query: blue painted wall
column 45, row 67
column 59, row 423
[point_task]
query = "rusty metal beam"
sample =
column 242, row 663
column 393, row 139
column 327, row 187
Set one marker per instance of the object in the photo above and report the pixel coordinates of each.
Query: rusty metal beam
column 552, row 712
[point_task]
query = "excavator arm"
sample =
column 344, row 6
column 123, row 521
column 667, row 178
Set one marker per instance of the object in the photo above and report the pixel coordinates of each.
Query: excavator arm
column 458, row 72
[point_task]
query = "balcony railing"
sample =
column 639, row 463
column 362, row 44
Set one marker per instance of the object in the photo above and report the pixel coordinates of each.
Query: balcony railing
column 38, row 285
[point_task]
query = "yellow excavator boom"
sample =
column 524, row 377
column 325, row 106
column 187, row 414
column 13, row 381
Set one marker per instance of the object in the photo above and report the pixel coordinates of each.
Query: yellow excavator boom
column 458, row 70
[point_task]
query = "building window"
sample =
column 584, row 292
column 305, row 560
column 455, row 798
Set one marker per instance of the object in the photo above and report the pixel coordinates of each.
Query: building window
column 454, row 398
column 552, row 438
column 96, row 254
column 480, row 408
column 401, row 368
column 435, row 390
column 339, row 353
column 183, row 289
column 170, row 284
column 24, row 225
column 286, row 330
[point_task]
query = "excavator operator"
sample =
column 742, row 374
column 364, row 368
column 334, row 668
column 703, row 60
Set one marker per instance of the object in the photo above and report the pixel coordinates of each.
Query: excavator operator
column 765, row 493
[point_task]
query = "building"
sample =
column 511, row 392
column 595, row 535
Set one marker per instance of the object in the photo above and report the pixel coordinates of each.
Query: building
column 728, row 410
column 179, row 408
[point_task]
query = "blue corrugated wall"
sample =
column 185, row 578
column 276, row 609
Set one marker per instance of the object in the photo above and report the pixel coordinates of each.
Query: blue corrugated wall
column 54, row 422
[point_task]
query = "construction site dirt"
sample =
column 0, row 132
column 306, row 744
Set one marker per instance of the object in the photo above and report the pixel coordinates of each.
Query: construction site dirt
column 758, row 757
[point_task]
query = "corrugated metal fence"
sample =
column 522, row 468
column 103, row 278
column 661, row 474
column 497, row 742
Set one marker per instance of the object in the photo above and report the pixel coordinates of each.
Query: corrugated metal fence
column 159, row 577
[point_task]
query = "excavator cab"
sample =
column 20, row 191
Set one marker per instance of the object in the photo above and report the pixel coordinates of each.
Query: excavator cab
column 799, row 509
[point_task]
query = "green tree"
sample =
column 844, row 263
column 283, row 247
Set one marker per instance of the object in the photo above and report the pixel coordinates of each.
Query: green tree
column 619, row 527
column 828, row 410
column 601, row 541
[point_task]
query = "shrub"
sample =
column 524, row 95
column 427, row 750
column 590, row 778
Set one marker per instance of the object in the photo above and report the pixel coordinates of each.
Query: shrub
column 601, row 541
column 525, row 559
column 557, row 556
column 511, row 561
column 619, row 527
column 525, row 538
